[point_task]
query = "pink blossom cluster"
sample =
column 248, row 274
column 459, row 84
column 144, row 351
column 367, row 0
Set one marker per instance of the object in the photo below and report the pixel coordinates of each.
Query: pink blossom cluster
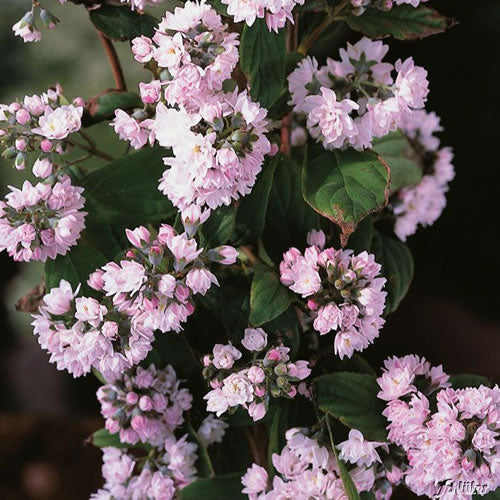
column 140, row 4
column 159, row 475
column 217, row 153
column 457, row 441
column 158, row 277
column 423, row 204
column 343, row 292
column 269, row 374
column 194, row 54
column 307, row 469
column 276, row 12
column 360, row 6
column 351, row 101
column 219, row 139
column 40, row 124
column 82, row 333
column 144, row 405
column 41, row 221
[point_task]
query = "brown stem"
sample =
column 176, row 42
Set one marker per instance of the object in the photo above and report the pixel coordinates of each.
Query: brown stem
column 246, row 250
column 116, row 68
column 256, row 436
column 94, row 151
column 285, row 134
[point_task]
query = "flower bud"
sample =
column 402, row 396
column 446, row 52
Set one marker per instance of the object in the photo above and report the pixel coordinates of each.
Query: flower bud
column 132, row 398
column 260, row 391
column 20, row 162
column 48, row 19
column 224, row 254
column 21, row 143
column 22, row 116
column 46, row 146
column 145, row 403
column 42, row 167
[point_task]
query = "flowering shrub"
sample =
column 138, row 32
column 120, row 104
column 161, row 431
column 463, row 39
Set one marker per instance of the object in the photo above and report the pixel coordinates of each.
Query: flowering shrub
column 222, row 276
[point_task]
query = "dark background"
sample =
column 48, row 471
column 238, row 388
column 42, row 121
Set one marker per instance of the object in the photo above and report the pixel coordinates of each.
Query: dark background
column 450, row 315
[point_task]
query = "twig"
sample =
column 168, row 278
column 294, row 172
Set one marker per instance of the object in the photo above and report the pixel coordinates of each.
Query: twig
column 116, row 67
column 246, row 250
column 285, row 134
column 94, row 151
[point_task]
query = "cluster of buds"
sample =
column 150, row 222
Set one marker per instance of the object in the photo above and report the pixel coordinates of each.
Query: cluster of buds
column 26, row 27
column 351, row 101
column 268, row 374
column 343, row 292
column 144, row 405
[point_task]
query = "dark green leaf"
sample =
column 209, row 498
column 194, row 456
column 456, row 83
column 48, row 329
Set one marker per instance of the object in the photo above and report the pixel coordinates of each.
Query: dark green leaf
column 397, row 267
column 268, row 297
column 289, row 218
column 75, row 266
column 492, row 495
column 352, row 399
column 103, row 439
column 121, row 23
column 263, row 59
column 367, row 495
column 277, row 429
column 226, row 487
column 218, row 228
column 252, row 208
column 285, row 328
column 103, row 106
column 396, row 150
column 356, row 364
column 362, row 238
column 204, row 467
column 346, row 186
column 463, row 380
column 127, row 189
column 403, row 22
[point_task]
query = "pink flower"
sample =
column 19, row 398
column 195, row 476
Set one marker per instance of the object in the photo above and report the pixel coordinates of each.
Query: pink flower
column 329, row 318
column 58, row 301
column 256, row 374
column 412, row 85
column 225, row 356
column 60, row 122
column 316, row 238
column 150, row 92
column 358, row 451
column 129, row 129
column 128, row 277
column 257, row 411
column 255, row 480
column 200, row 280
column 142, row 48
column 89, row 310
column 216, row 402
column 254, row 339
column 42, row 167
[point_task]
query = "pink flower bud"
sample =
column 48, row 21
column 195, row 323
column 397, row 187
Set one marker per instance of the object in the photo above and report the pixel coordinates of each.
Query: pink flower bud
column 79, row 102
column 257, row 411
column 206, row 360
column 159, row 402
column 394, row 475
column 292, row 392
column 139, row 423
column 182, row 293
column 132, row 398
column 130, row 254
column 109, row 329
column 256, row 375
column 42, row 167
column 112, row 425
column 23, row 116
column 215, row 384
column 259, row 391
column 312, row 304
column 21, row 144
column 95, row 280
column 46, row 146
column 273, row 355
column 316, row 238
column 150, row 92
column 15, row 106
column 165, row 234
column 274, row 149
column 226, row 254
column 145, row 403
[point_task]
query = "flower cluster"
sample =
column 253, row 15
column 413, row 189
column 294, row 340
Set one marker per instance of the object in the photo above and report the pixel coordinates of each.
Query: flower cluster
column 308, row 470
column 81, row 333
column 276, row 13
column 351, row 101
column 144, row 405
column 269, row 375
column 40, row 124
column 457, row 442
column 423, row 204
column 150, row 289
column 360, row 6
column 159, row 475
column 343, row 292
column 26, row 27
column 219, row 143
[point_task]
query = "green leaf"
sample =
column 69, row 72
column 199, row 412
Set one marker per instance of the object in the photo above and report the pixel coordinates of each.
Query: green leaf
column 263, row 60
column 356, row 364
column 205, row 467
column 288, row 218
column 352, row 399
column 103, row 439
column 252, row 208
column 403, row 22
column 126, row 189
column 277, row 429
column 121, row 23
column 396, row 150
column 362, row 238
column 397, row 267
column 268, row 297
column 220, row 7
column 346, row 186
column 103, row 106
column 463, row 380
column 492, row 495
column 218, row 228
column 285, row 328
column 75, row 266
column 367, row 495
column 226, row 487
